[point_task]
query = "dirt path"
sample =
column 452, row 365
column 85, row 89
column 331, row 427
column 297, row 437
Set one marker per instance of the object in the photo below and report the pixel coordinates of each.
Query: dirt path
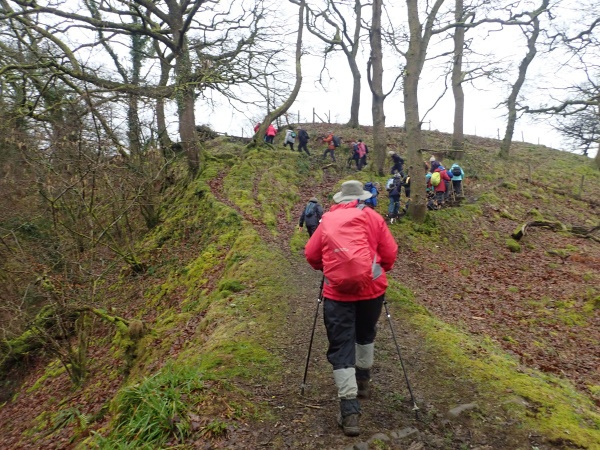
column 309, row 421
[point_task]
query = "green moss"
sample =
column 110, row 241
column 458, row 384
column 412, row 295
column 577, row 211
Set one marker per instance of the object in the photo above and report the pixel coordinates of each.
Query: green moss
column 508, row 185
column 527, row 194
column 231, row 285
column 563, row 413
column 488, row 198
column 513, row 245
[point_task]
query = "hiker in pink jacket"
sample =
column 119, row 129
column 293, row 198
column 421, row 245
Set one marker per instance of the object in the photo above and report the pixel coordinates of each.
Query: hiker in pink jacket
column 271, row 132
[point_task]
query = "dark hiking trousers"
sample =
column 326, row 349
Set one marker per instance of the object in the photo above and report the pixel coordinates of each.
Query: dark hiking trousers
column 457, row 186
column 311, row 229
column 347, row 324
column 330, row 150
column 302, row 145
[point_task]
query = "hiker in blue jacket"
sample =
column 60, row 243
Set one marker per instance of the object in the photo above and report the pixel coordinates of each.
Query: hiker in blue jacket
column 311, row 216
column 457, row 176
column 398, row 163
column 373, row 189
column 394, row 193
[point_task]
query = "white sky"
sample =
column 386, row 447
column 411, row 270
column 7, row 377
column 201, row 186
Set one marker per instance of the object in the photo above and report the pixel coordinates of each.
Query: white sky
column 481, row 115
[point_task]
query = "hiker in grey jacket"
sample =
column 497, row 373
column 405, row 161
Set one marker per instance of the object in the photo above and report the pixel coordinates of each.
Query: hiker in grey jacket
column 311, row 216
column 290, row 138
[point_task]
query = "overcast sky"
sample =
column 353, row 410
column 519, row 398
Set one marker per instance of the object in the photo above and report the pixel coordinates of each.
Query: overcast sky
column 482, row 116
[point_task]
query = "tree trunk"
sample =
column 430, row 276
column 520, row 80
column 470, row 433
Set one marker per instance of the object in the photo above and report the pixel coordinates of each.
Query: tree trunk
column 516, row 88
column 412, row 73
column 458, row 137
column 185, row 90
column 161, row 122
column 133, row 120
column 278, row 112
column 355, row 106
column 376, row 84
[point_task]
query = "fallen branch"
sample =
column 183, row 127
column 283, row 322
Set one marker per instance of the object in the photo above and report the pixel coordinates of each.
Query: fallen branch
column 557, row 226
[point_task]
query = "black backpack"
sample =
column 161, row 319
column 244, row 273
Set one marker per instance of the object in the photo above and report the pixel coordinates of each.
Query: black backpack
column 456, row 171
column 336, row 141
column 303, row 135
column 366, row 149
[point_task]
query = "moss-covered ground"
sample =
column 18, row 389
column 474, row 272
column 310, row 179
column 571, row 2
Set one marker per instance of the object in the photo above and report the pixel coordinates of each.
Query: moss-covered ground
column 229, row 302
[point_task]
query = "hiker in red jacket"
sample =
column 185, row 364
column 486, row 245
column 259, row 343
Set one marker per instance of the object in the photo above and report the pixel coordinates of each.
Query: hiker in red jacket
column 354, row 248
column 257, row 127
column 330, row 147
column 440, row 188
column 271, row 132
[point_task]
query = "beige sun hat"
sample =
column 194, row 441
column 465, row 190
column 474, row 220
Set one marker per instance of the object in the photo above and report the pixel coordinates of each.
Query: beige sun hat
column 351, row 190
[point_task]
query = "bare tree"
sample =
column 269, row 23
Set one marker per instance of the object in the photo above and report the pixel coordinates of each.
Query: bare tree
column 511, row 102
column 375, row 78
column 281, row 110
column 343, row 38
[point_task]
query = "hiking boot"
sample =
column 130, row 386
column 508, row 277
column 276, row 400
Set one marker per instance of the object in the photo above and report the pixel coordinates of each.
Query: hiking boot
column 364, row 390
column 349, row 424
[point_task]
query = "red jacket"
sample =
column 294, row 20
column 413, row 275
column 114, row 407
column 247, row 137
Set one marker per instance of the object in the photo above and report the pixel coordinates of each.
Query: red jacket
column 381, row 242
column 257, row 127
column 271, row 131
column 442, row 186
column 330, row 140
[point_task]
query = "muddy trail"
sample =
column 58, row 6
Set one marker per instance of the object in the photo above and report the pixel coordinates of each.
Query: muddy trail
column 388, row 417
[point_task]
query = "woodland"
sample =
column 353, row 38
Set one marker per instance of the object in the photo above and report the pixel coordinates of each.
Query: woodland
column 153, row 290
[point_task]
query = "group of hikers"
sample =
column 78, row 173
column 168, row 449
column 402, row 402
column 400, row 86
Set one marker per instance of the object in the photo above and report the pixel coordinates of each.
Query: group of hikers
column 359, row 149
column 353, row 247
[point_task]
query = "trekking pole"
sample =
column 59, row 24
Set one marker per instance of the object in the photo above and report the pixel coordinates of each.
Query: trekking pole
column 312, row 335
column 389, row 317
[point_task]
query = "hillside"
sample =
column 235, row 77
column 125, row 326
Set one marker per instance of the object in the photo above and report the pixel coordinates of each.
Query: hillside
column 228, row 300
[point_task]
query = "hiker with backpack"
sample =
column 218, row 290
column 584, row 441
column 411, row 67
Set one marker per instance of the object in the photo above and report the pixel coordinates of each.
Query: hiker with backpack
column 405, row 183
column 362, row 151
column 398, row 163
column 438, row 177
column 302, row 141
column 271, row 132
column 311, row 216
column 354, row 248
column 457, row 176
column 394, row 186
column 354, row 156
column 373, row 188
column 334, row 142
column 290, row 138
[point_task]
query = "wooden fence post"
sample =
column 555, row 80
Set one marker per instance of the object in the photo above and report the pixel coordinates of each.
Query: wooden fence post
column 581, row 187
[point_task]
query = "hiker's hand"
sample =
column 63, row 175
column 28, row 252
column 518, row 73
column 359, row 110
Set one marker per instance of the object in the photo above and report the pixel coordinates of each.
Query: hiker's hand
column 299, row 228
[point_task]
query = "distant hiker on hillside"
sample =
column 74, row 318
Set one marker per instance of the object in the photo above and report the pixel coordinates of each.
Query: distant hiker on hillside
column 394, row 186
column 302, row 141
column 362, row 150
column 398, row 163
column 457, row 176
column 438, row 176
column 406, row 184
column 353, row 292
column 257, row 127
column 373, row 188
column 271, row 132
column 311, row 216
column 332, row 141
column 290, row 138
column 354, row 156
